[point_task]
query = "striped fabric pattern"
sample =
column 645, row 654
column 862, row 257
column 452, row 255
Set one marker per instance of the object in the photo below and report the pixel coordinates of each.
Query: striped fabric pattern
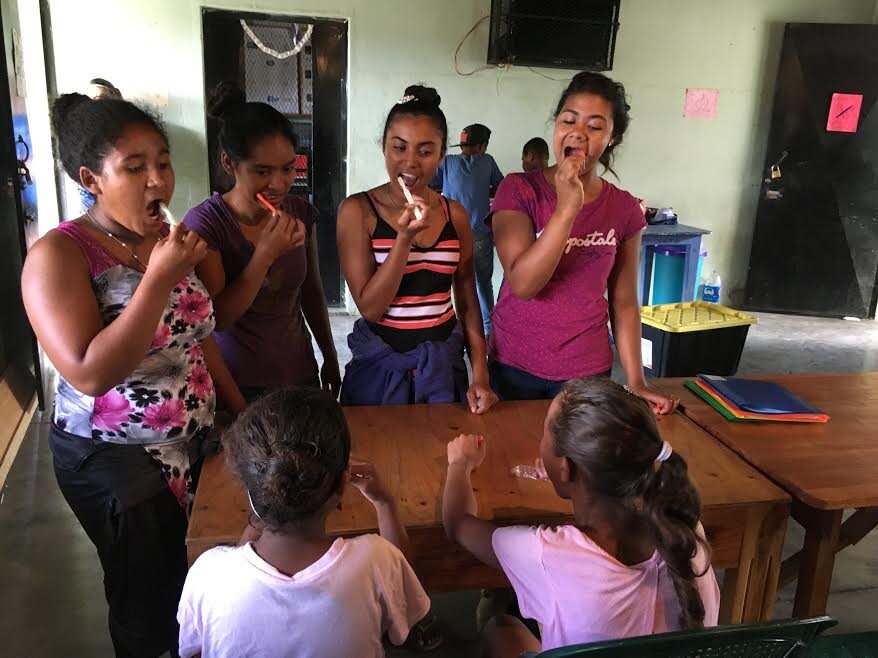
column 423, row 307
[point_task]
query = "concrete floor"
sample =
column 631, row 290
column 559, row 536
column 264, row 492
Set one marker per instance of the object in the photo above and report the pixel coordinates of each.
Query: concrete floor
column 51, row 597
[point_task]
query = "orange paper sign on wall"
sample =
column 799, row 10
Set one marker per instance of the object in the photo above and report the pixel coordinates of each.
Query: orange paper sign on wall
column 844, row 113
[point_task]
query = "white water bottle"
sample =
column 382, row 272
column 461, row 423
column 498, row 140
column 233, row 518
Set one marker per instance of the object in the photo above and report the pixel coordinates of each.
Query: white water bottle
column 711, row 288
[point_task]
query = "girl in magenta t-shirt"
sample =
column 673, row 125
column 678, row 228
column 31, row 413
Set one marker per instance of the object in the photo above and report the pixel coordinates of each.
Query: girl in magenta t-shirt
column 569, row 242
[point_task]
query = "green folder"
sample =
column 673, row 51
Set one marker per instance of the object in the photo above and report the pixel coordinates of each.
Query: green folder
column 704, row 395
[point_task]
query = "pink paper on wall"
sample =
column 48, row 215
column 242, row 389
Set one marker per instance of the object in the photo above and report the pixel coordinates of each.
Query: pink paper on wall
column 844, row 113
column 701, row 103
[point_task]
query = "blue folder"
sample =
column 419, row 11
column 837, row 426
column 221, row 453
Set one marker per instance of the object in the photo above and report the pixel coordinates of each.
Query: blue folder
column 758, row 396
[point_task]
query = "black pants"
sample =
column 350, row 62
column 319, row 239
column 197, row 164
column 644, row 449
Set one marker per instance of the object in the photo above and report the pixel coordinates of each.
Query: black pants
column 510, row 383
column 139, row 529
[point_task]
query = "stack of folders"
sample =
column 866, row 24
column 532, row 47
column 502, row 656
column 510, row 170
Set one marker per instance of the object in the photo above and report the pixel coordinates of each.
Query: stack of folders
column 748, row 400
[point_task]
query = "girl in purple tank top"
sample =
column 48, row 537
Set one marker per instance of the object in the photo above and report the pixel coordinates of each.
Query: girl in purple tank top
column 569, row 243
column 261, row 269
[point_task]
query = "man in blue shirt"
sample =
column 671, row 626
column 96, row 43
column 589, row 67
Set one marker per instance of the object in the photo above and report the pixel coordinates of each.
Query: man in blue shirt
column 471, row 179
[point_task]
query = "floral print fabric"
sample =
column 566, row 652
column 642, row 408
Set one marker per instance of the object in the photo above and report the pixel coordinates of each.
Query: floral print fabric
column 169, row 396
column 176, row 469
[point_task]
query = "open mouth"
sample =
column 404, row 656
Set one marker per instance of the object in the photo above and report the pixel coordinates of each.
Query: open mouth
column 154, row 209
column 273, row 199
column 409, row 180
column 574, row 151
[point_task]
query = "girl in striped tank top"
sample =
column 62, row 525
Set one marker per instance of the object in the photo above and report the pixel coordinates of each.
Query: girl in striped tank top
column 408, row 346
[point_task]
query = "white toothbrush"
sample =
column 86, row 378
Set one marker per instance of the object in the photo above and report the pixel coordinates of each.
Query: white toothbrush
column 169, row 218
column 408, row 197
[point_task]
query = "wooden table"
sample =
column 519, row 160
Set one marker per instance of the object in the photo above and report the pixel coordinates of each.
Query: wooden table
column 745, row 515
column 826, row 468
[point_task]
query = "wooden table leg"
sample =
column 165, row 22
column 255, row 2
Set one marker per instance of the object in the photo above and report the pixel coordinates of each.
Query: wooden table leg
column 765, row 568
column 860, row 524
column 750, row 589
column 822, row 528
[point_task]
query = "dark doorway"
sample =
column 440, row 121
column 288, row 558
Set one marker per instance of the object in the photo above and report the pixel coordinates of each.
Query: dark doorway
column 309, row 88
column 815, row 244
column 19, row 358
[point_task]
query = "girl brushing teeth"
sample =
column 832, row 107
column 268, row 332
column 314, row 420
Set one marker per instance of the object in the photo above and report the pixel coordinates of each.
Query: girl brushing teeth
column 403, row 248
column 569, row 242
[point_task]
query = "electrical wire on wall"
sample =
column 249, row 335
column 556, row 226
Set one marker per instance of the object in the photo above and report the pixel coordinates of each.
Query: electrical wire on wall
column 501, row 68
column 298, row 41
column 548, row 77
column 460, row 45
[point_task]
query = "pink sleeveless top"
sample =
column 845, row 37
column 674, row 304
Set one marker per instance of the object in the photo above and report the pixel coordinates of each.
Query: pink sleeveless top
column 169, row 396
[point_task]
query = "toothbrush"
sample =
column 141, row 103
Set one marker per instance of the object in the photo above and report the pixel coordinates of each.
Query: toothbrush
column 408, row 197
column 261, row 199
column 169, row 218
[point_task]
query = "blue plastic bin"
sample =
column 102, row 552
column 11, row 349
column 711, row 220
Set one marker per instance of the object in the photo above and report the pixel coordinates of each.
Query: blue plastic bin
column 668, row 270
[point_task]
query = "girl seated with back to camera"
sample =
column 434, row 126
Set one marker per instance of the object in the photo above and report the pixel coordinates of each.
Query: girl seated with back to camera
column 294, row 590
column 633, row 562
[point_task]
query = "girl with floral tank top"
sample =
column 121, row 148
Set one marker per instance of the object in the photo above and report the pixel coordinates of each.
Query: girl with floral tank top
column 569, row 242
column 403, row 249
column 115, row 304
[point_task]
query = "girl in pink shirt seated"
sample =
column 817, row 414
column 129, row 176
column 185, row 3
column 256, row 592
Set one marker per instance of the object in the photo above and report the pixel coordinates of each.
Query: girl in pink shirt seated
column 293, row 590
column 635, row 560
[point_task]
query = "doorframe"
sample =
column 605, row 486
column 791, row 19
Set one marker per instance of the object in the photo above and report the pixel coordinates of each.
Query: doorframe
column 343, row 175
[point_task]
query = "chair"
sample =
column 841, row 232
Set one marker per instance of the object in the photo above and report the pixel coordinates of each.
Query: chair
column 854, row 645
column 776, row 639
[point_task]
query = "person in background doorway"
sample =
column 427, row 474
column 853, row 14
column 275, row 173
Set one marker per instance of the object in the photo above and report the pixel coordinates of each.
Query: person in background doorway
column 471, row 179
column 401, row 260
column 569, row 242
column 115, row 304
column 535, row 154
column 262, row 269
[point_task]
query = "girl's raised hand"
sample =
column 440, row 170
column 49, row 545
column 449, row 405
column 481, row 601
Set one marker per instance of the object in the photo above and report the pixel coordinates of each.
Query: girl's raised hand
column 365, row 478
column 407, row 223
column 467, row 449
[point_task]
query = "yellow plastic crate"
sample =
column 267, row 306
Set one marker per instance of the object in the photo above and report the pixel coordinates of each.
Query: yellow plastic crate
column 693, row 316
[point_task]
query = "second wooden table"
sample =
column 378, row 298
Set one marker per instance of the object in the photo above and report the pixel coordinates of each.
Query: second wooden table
column 827, row 468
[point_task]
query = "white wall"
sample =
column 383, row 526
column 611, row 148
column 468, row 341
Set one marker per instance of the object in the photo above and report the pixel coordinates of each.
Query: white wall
column 708, row 170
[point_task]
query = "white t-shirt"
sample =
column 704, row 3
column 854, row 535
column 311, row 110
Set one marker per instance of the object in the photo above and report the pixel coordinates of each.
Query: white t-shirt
column 235, row 604
column 580, row 593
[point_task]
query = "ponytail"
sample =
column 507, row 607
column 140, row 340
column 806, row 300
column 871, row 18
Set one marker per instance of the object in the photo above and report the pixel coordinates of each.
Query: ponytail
column 611, row 436
column 673, row 507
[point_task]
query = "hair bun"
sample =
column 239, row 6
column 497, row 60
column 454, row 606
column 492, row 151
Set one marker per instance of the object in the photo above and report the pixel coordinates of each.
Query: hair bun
column 226, row 96
column 424, row 94
column 64, row 106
